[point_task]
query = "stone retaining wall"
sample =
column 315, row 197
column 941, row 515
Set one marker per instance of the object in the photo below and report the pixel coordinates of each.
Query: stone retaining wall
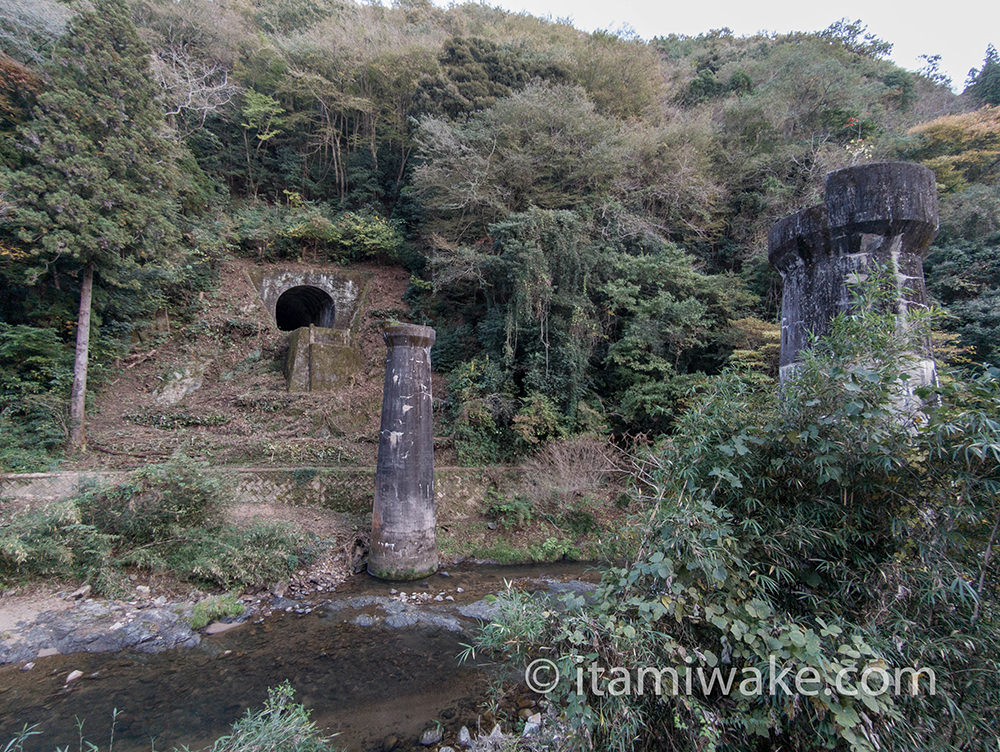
column 460, row 491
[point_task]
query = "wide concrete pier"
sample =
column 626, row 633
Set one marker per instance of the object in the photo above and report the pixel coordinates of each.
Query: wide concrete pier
column 882, row 215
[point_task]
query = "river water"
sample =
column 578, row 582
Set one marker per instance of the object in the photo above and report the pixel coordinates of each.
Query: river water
column 364, row 683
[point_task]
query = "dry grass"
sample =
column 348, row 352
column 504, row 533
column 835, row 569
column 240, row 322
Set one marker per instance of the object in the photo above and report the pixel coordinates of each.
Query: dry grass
column 581, row 466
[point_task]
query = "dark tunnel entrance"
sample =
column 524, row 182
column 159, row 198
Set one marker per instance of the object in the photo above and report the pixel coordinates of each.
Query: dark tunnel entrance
column 302, row 306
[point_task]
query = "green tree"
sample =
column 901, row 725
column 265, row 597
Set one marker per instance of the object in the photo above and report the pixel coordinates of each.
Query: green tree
column 475, row 73
column 983, row 85
column 35, row 375
column 931, row 70
column 662, row 315
column 96, row 194
column 263, row 119
column 854, row 36
column 544, row 146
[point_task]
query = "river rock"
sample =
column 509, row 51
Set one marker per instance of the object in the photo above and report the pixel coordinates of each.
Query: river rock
column 73, row 676
column 28, row 666
column 533, row 724
column 431, row 736
column 218, row 627
column 80, row 593
column 401, row 620
column 464, row 738
column 479, row 610
column 95, row 627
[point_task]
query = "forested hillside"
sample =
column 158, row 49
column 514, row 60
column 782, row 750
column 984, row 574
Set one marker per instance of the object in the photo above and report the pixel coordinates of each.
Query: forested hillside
column 583, row 216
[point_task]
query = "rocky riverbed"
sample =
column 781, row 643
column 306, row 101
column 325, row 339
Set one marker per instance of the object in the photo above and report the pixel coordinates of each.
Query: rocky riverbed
column 100, row 626
column 374, row 661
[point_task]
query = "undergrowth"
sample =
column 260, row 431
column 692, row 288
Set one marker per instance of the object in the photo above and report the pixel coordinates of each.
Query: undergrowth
column 163, row 518
column 844, row 523
column 215, row 607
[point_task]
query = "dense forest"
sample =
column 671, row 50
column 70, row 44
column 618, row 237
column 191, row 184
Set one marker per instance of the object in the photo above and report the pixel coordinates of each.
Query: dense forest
column 584, row 215
column 583, row 218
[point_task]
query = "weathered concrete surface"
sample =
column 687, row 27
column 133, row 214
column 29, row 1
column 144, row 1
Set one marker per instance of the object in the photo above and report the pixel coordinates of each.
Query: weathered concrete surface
column 320, row 360
column 403, row 541
column 344, row 288
column 320, row 309
column 874, row 215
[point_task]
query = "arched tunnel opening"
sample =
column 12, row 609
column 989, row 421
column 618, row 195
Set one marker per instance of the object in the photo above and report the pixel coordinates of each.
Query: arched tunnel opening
column 301, row 306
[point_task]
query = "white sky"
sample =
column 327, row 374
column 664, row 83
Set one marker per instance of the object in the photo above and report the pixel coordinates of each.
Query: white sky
column 958, row 30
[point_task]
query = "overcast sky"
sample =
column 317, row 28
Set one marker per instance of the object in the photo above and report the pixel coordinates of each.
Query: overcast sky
column 958, row 30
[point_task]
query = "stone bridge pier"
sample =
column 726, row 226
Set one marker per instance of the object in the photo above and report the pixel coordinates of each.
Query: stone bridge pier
column 883, row 215
column 404, row 540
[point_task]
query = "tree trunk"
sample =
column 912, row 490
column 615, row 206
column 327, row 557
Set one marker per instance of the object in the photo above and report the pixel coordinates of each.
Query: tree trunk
column 78, row 398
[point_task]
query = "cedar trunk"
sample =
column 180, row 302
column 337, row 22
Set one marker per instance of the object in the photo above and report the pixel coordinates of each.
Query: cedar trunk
column 78, row 398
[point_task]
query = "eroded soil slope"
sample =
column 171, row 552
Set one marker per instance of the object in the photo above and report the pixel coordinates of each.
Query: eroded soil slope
column 227, row 362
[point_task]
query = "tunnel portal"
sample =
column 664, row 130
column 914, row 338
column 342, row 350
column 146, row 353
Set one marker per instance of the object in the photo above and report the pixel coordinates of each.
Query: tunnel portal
column 304, row 305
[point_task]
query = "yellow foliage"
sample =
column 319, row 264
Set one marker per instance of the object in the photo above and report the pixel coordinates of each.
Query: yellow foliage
column 757, row 346
column 11, row 255
column 960, row 148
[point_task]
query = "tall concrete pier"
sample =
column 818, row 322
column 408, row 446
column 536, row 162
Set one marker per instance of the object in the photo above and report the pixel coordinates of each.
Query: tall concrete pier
column 883, row 215
column 404, row 543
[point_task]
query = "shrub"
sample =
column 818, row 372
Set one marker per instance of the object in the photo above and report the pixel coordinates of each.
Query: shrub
column 307, row 229
column 579, row 522
column 829, row 526
column 538, row 420
column 153, row 502
column 169, row 421
column 481, row 406
column 510, row 511
column 35, row 374
column 214, row 607
column 361, row 235
column 571, row 468
column 260, row 231
column 280, row 726
column 49, row 541
column 161, row 518
column 553, row 549
column 231, row 557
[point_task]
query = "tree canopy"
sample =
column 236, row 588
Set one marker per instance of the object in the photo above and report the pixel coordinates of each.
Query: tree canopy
column 586, row 212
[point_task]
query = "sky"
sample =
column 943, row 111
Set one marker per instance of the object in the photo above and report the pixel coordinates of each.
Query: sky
column 958, row 30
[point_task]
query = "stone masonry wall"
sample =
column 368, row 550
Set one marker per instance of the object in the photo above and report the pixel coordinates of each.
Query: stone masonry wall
column 460, row 491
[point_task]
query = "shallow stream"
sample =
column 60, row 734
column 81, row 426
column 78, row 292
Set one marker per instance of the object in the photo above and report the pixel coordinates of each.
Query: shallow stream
column 368, row 665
